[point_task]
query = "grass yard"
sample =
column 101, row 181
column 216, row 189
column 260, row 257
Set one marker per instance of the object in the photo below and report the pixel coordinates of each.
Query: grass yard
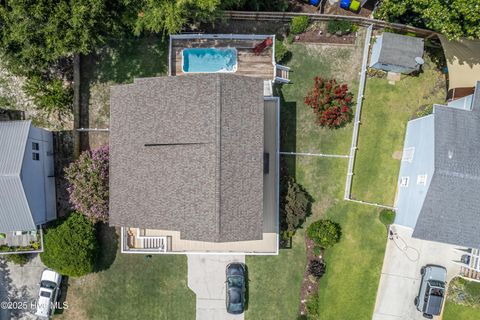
column 348, row 289
column 385, row 112
column 119, row 62
column 463, row 300
column 129, row 286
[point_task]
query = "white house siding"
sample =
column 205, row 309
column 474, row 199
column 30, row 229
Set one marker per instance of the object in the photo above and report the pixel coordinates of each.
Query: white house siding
column 38, row 176
column 409, row 201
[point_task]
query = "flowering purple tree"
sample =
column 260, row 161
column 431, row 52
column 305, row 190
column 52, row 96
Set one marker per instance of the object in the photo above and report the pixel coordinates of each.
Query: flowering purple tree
column 88, row 184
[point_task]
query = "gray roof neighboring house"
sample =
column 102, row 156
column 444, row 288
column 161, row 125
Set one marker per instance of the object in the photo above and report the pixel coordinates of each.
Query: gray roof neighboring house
column 187, row 155
column 400, row 50
column 450, row 212
column 15, row 213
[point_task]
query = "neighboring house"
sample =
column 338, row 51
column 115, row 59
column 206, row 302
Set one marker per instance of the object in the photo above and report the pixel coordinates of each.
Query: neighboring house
column 397, row 53
column 27, row 182
column 439, row 181
column 194, row 165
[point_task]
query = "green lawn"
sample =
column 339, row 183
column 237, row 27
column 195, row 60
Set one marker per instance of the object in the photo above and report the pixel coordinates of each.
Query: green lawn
column 348, row 289
column 469, row 292
column 385, row 112
column 129, row 286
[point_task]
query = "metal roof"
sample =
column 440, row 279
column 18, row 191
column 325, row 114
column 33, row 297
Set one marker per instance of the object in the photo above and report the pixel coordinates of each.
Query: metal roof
column 186, row 154
column 14, row 210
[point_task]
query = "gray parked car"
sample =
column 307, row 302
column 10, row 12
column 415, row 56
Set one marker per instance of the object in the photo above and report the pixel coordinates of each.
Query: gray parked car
column 432, row 290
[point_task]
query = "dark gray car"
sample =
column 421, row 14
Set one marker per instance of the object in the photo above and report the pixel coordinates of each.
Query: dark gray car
column 235, row 299
column 432, row 290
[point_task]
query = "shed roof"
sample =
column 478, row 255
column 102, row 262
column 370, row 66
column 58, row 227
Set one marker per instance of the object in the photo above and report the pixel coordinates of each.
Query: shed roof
column 400, row 50
column 15, row 214
column 187, row 155
column 451, row 210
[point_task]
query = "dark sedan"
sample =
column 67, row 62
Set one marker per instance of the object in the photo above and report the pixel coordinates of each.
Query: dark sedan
column 236, row 277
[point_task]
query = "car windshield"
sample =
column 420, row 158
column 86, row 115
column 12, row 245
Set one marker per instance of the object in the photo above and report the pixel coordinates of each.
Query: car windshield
column 48, row 284
column 45, row 294
column 438, row 284
column 235, row 281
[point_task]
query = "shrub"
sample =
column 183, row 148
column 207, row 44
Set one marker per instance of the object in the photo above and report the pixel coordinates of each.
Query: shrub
column 88, row 184
column 340, row 26
column 20, row 259
column 313, row 308
column 387, row 217
column 299, row 24
column 324, row 232
column 49, row 95
column 331, row 102
column 280, row 50
column 294, row 206
column 71, row 247
column 317, row 251
column 316, row 268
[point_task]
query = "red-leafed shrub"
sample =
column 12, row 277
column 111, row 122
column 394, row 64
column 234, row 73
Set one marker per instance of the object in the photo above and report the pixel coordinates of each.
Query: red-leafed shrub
column 331, row 102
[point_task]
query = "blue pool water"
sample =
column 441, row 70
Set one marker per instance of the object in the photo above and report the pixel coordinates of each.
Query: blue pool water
column 209, row 60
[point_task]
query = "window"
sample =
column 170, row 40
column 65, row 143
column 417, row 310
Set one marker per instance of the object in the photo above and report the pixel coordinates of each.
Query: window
column 36, row 156
column 35, row 146
column 422, row 179
column 404, row 182
column 408, row 154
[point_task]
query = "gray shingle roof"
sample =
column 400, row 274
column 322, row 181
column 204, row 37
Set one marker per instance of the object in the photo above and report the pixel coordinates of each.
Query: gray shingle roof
column 400, row 50
column 187, row 155
column 15, row 214
column 451, row 210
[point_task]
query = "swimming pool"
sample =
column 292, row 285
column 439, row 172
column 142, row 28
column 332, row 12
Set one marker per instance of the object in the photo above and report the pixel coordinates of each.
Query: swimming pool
column 208, row 60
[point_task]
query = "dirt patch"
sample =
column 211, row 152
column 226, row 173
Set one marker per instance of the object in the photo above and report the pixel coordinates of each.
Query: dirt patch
column 309, row 283
column 321, row 36
column 397, row 155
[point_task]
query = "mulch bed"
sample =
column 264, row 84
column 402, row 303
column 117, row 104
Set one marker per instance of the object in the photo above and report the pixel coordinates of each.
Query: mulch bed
column 309, row 287
column 321, row 36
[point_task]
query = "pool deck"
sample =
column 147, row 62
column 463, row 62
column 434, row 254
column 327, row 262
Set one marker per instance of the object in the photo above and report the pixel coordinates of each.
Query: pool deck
column 248, row 64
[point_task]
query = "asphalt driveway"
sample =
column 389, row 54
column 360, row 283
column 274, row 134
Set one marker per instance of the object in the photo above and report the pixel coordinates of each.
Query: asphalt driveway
column 206, row 277
column 400, row 279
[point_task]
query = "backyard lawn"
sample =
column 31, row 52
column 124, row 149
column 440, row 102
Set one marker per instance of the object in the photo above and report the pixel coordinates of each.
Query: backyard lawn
column 348, row 289
column 463, row 300
column 385, row 112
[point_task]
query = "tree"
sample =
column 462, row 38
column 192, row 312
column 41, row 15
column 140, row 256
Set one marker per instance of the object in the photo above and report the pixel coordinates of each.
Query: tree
column 331, row 103
column 88, row 184
column 454, row 18
column 169, row 16
column 36, row 33
column 71, row 247
column 294, row 206
column 324, row 232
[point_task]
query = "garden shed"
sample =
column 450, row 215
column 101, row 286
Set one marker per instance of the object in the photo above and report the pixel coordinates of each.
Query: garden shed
column 397, row 53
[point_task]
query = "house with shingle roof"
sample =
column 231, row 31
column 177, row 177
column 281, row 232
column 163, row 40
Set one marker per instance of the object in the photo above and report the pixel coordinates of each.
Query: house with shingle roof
column 194, row 165
column 27, row 183
column 438, row 187
column 396, row 53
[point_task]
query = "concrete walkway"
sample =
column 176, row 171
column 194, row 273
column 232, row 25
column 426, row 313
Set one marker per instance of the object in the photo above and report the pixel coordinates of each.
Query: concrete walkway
column 400, row 279
column 206, row 277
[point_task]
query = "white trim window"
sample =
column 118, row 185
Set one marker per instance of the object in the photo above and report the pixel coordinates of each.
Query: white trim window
column 408, row 154
column 404, row 182
column 422, row 179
